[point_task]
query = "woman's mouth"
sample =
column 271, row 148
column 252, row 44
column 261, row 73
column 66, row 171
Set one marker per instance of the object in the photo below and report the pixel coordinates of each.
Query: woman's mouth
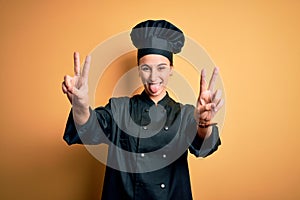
column 154, row 87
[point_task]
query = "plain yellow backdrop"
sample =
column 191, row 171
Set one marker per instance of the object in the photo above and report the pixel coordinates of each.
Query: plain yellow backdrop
column 255, row 43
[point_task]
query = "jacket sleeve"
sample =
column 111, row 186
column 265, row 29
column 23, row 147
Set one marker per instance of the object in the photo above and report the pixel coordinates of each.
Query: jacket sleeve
column 204, row 147
column 92, row 132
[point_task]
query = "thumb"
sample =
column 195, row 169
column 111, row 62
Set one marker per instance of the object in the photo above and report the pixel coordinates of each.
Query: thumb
column 208, row 107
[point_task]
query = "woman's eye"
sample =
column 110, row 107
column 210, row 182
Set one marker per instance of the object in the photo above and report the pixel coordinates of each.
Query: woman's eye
column 161, row 68
column 144, row 68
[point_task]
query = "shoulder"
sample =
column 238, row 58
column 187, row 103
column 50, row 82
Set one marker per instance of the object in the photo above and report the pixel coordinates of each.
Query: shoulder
column 124, row 102
column 114, row 103
column 183, row 107
column 188, row 107
column 119, row 103
column 119, row 99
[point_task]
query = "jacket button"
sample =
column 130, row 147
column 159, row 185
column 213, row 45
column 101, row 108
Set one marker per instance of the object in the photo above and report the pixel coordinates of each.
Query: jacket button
column 145, row 127
column 166, row 128
column 142, row 155
column 162, row 186
column 164, row 155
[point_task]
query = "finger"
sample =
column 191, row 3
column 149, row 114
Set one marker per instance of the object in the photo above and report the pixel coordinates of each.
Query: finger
column 86, row 67
column 213, row 79
column 209, row 116
column 217, row 96
column 202, row 81
column 200, row 102
column 203, row 117
column 64, row 88
column 219, row 105
column 76, row 64
column 207, row 107
column 68, row 82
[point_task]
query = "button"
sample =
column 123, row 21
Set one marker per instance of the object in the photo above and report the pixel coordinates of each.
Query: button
column 146, row 110
column 142, row 154
column 145, row 127
column 166, row 128
column 164, row 155
column 162, row 186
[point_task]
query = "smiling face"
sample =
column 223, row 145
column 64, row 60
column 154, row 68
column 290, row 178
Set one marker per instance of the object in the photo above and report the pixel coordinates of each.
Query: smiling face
column 154, row 71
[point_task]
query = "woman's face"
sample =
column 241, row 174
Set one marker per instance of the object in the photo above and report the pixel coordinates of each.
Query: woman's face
column 154, row 71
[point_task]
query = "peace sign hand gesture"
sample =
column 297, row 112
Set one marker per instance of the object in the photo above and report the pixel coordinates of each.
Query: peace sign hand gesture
column 209, row 101
column 76, row 89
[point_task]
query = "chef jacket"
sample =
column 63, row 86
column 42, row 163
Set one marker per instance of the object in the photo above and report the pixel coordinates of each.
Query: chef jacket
column 148, row 146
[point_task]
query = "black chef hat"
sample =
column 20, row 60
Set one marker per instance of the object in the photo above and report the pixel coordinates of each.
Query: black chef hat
column 157, row 37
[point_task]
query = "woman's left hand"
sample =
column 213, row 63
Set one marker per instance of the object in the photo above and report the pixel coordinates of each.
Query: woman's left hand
column 209, row 101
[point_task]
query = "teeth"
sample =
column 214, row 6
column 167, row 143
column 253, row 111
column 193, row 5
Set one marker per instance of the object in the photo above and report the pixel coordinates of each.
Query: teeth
column 154, row 83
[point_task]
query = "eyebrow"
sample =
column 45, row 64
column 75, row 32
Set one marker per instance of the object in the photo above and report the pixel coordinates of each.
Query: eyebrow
column 162, row 64
column 146, row 65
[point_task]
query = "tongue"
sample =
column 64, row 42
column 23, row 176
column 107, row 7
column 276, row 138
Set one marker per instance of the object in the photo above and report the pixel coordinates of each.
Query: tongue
column 154, row 88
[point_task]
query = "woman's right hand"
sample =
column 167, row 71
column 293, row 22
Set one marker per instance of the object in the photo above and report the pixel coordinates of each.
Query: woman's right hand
column 76, row 88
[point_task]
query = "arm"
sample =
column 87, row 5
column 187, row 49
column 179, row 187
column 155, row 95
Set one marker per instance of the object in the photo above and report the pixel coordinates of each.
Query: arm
column 207, row 139
column 202, row 147
column 89, row 133
column 82, row 121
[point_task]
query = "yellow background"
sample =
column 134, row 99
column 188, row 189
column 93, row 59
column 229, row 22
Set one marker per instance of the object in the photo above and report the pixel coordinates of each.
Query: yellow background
column 255, row 43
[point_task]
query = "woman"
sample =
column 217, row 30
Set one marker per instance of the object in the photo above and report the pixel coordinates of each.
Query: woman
column 149, row 134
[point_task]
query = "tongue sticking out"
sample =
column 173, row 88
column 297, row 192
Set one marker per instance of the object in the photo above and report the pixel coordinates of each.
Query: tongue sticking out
column 154, row 87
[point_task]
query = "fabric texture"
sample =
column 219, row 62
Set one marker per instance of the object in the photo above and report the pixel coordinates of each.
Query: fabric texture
column 157, row 37
column 144, row 176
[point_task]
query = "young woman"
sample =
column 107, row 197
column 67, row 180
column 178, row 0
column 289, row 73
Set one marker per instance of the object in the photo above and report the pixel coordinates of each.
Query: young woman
column 149, row 135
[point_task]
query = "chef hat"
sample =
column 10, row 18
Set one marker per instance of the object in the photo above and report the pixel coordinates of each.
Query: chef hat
column 157, row 37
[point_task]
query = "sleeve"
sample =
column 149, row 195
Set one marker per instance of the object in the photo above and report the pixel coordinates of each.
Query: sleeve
column 92, row 132
column 198, row 146
column 204, row 147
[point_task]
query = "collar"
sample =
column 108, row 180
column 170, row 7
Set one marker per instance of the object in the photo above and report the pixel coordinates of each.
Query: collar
column 163, row 102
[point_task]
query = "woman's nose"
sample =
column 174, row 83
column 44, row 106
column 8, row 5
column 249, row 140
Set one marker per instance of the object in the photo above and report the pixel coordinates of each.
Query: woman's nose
column 153, row 75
